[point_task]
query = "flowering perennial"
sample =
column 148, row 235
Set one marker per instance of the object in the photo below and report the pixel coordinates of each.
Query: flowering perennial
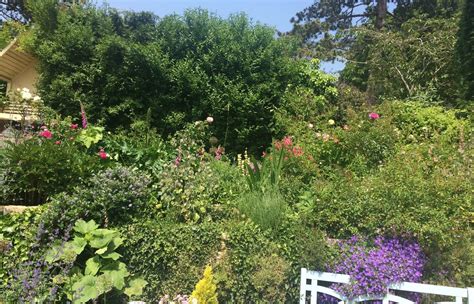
column 46, row 134
column 84, row 118
column 374, row 116
column 373, row 268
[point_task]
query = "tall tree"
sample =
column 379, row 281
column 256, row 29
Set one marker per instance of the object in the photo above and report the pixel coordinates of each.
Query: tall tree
column 465, row 48
column 325, row 25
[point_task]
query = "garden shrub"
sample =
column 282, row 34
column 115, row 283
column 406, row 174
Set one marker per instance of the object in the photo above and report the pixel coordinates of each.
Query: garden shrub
column 37, row 168
column 112, row 197
column 189, row 193
column 189, row 190
column 205, row 290
column 422, row 191
column 270, row 277
column 246, row 262
column 183, row 68
column 139, row 147
column 95, row 269
column 175, row 254
column 418, row 121
column 17, row 238
column 240, row 273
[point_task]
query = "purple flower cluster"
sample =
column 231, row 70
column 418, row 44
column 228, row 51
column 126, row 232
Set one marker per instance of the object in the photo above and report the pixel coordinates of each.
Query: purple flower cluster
column 372, row 267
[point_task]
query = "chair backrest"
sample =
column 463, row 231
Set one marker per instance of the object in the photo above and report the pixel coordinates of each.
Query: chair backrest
column 309, row 289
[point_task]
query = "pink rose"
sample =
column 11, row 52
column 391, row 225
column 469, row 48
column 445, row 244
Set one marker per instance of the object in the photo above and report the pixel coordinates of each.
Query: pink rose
column 74, row 126
column 46, row 134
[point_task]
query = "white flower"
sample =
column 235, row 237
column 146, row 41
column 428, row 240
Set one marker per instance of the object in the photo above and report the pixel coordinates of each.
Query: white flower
column 25, row 90
column 210, row 119
column 310, row 125
column 331, row 122
column 26, row 95
column 36, row 98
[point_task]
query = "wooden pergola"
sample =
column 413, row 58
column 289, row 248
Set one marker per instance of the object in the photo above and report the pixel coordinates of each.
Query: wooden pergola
column 13, row 62
column 17, row 69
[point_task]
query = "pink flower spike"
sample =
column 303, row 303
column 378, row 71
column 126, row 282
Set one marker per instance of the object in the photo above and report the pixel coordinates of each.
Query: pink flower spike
column 83, row 116
column 374, row 116
column 46, row 134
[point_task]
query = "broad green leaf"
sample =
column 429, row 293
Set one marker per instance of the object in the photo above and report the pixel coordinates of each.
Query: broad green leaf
column 112, row 255
column 85, row 289
column 114, row 244
column 78, row 244
column 102, row 250
column 102, row 237
column 135, row 287
column 92, row 266
column 55, row 253
column 116, row 272
column 84, row 227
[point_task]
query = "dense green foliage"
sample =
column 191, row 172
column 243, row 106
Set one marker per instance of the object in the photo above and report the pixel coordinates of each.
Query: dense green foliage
column 215, row 146
column 466, row 48
column 113, row 196
column 182, row 68
column 35, row 169
column 16, row 237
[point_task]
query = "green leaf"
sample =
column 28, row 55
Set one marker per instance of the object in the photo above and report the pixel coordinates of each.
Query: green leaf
column 92, row 266
column 85, row 289
column 78, row 244
column 54, row 253
column 85, row 227
column 112, row 255
column 102, row 237
column 135, row 287
column 116, row 272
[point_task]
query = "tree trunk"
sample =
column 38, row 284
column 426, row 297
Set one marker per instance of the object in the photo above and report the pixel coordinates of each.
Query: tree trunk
column 381, row 12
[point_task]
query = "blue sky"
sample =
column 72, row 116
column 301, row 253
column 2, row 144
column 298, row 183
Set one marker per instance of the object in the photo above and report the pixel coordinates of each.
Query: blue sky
column 276, row 13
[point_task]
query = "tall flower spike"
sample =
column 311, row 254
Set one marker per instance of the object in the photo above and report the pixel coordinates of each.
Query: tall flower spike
column 83, row 115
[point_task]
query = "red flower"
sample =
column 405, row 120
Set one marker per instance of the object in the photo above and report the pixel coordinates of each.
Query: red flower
column 74, row 126
column 46, row 134
column 374, row 116
column 102, row 154
column 58, row 142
